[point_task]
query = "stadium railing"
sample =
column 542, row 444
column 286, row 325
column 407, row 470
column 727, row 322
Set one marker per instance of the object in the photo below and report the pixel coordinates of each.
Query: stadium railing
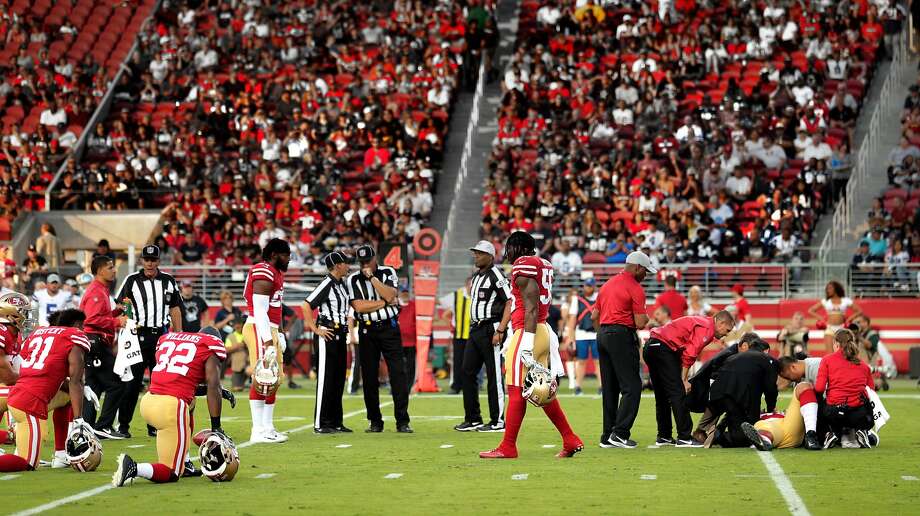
column 770, row 281
column 883, row 113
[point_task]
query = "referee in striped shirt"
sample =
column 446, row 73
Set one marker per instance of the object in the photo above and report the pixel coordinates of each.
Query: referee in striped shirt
column 154, row 298
column 490, row 313
column 330, row 300
column 373, row 291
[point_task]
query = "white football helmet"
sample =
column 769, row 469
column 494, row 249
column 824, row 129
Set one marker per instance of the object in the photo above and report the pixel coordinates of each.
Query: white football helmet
column 219, row 459
column 266, row 376
column 83, row 449
column 539, row 386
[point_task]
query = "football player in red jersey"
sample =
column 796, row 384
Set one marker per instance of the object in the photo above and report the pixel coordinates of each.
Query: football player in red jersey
column 51, row 355
column 11, row 322
column 264, row 293
column 183, row 361
column 530, row 346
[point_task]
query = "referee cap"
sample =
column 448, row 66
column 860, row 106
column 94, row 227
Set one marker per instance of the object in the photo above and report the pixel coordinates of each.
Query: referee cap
column 484, row 246
column 150, row 252
column 334, row 258
column 365, row 253
column 641, row 259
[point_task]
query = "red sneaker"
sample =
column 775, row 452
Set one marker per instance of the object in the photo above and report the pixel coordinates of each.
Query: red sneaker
column 570, row 448
column 499, row 453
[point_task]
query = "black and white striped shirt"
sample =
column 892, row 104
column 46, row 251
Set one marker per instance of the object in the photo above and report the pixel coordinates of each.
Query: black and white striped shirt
column 330, row 297
column 360, row 287
column 151, row 298
column 490, row 291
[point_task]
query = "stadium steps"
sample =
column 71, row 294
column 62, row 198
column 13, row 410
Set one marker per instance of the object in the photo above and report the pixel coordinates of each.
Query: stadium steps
column 455, row 258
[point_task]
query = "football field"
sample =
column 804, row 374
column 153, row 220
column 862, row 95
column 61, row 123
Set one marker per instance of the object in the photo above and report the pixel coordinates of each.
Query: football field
column 437, row 470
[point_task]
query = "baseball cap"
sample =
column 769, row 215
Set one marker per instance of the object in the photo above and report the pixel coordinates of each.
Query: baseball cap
column 185, row 283
column 334, row 258
column 590, row 282
column 640, row 258
column 53, row 278
column 484, row 246
column 70, row 283
column 151, row 252
column 365, row 253
column 738, row 288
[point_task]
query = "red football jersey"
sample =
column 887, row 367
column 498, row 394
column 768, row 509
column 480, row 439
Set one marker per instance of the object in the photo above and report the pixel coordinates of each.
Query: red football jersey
column 9, row 344
column 181, row 357
column 266, row 272
column 540, row 270
column 44, row 366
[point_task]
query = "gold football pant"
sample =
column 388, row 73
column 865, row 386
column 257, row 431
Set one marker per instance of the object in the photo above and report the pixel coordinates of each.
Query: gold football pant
column 171, row 417
column 514, row 367
column 788, row 431
column 30, row 430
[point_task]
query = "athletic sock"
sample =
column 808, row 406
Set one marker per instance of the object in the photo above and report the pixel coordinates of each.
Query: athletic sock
column 268, row 413
column 809, row 409
column 256, row 407
column 145, row 470
column 10, row 463
column 570, row 371
column 514, row 416
column 61, row 422
column 557, row 416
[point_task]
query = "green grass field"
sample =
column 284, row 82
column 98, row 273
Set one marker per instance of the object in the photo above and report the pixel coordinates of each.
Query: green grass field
column 438, row 470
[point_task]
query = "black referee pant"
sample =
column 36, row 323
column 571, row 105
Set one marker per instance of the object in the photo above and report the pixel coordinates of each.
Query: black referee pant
column 618, row 347
column 101, row 378
column 456, row 366
column 479, row 351
column 148, row 338
column 330, row 377
column 376, row 339
column 664, row 368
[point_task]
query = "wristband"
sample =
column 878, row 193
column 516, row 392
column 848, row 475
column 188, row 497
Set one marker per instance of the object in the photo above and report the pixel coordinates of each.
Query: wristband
column 215, row 422
column 527, row 341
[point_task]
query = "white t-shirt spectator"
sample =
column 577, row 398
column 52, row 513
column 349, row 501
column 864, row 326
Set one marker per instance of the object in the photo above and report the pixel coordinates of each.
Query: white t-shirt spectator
column 837, row 68
column 159, row 68
column 820, row 151
column 648, row 64
column 48, row 304
column 623, row 116
column 205, row 58
column 567, row 264
column 53, row 118
column 772, row 157
column 271, row 149
column 738, row 186
column 784, row 248
column 803, row 94
column 548, row 15
column 439, row 96
column 422, row 203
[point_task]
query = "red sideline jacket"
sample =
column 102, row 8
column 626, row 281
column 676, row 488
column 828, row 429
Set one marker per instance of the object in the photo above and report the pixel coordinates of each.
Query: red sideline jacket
column 97, row 306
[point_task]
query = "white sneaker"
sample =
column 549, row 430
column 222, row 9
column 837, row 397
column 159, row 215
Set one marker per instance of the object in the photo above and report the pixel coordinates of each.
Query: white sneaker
column 256, row 434
column 848, row 440
column 273, row 436
column 60, row 460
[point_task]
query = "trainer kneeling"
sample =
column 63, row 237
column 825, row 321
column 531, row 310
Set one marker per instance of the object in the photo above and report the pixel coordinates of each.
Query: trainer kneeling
column 844, row 379
column 669, row 353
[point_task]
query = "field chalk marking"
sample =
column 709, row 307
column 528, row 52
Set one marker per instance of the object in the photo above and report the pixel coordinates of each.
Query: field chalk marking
column 391, row 476
column 265, row 475
column 549, row 445
column 793, row 501
column 446, row 446
column 103, row 488
column 11, row 477
column 648, row 477
column 519, row 476
column 343, row 446
column 136, row 446
column 903, row 477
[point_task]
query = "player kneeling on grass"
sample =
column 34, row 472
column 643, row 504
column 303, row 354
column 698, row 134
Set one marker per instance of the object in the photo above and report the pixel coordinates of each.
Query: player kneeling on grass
column 790, row 428
column 51, row 355
column 183, row 361
column 531, row 349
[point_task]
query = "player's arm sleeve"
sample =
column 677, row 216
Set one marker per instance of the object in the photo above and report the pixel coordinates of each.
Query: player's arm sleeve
column 525, row 269
column 260, row 315
column 770, row 391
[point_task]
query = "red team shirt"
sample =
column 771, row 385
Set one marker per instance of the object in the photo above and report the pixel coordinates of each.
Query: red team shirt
column 181, row 357
column 619, row 299
column 45, row 365
column 266, row 272
column 542, row 271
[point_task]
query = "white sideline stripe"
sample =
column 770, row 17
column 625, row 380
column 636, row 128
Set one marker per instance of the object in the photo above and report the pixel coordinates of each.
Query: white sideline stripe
column 520, row 476
column 903, row 477
column 793, row 501
column 646, row 395
column 392, row 476
column 265, row 475
column 446, row 446
column 101, row 489
column 648, row 477
column 343, row 446
column 11, row 477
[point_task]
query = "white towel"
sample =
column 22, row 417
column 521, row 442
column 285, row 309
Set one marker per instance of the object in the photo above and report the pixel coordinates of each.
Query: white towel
column 879, row 414
column 128, row 351
column 555, row 359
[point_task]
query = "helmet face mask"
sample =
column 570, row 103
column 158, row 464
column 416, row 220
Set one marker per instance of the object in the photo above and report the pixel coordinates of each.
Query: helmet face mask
column 266, row 375
column 84, row 452
column 219, row 458
column 25, row 321
column 539, row 386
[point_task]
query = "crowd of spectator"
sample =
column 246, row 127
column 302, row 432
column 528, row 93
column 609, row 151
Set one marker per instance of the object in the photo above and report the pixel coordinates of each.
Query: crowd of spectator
column 322, row 121
column 884, row 254
column 698, row 131
column 56, row 62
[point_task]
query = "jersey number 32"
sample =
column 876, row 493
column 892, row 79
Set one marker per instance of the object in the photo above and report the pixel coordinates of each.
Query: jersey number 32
column 175, row 357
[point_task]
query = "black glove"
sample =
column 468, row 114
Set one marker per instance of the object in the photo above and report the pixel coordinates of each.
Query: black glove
column 227, row 395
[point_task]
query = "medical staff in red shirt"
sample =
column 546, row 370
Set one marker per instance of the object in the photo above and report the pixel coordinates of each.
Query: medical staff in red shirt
column 843, row 379
column 669, row 353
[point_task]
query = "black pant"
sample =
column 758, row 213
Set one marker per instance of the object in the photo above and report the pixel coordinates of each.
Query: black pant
column 729, row 430
column 147, row 337
column 409, row 360
column 101, row 378
column 456, row 366
column 664, row 370
column 479, row 351
column 330, row 379
column 618, row 347
column 373, row 341
column 839, row 417
column 354, row 382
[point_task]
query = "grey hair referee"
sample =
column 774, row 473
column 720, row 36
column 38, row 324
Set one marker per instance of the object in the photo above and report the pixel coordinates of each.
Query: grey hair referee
column 154, row 298
column 490, row 312
column 330, row 300
column 373, row 296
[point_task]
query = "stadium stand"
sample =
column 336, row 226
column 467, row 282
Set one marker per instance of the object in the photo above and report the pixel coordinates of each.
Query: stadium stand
column 309, row 117
column 56, row 61
column 698, row 134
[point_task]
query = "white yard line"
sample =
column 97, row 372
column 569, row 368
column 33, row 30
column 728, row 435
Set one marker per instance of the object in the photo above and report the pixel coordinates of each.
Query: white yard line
column 392, row 476
column 793, row 501
column 646, row 395
column 520, row 476
column 101, row 489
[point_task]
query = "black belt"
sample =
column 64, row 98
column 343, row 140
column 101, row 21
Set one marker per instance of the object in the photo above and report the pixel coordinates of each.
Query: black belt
column 485, row 321
column 386, row 323
column 332, row 325
column 611, row 326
